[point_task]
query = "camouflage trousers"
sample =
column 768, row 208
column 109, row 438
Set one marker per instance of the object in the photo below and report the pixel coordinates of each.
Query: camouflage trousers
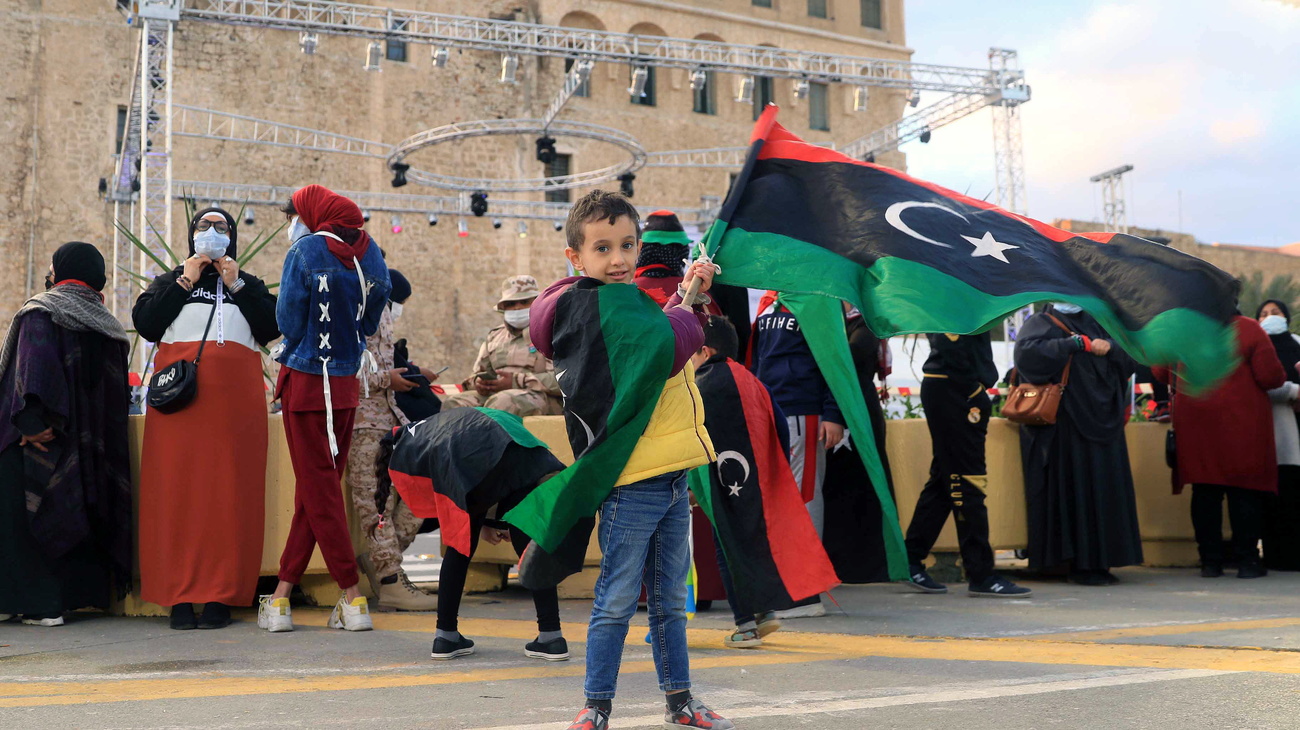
column 400, row 526
column 520, row 402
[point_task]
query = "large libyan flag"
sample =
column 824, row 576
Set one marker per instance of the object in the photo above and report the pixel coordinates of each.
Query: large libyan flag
column 915, row 257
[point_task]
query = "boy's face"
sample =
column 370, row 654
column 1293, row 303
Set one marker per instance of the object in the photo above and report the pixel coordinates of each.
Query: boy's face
column 608, row 251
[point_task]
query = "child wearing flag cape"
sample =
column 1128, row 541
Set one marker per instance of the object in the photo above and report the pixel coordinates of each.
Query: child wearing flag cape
column 636, row 423
column 464, row 467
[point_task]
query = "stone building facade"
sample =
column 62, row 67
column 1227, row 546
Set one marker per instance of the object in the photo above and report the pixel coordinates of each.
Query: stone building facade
column 68, row 78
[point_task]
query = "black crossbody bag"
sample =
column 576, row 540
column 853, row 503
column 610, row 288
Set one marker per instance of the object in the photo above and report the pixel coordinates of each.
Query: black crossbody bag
column 174, row 387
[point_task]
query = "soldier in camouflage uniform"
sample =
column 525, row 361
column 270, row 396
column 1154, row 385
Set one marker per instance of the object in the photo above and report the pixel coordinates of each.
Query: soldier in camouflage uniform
column 525, row 382
column 377, row 416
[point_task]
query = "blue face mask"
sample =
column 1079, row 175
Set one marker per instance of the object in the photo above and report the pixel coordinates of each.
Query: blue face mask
column 1066, row 308
column 211, row 244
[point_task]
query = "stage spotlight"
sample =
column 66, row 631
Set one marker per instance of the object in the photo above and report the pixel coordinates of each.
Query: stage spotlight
column 869, row 157
column 800, row 88
column 523, row 229
column 545, row 149
column 433, row 219
column 914, row 98
column 745, row 90
column 860, row 95
column 625, row 183
column 478, row 204
column 462, row 228
column 509, row 66
column 396, row 222
column 698, row 79
column 103, row 186
column 640, row 75
column 559, row 225
column 496, row 223
column 399, row 174
column 365, row 216
column 440, row 55
column 374, row 54
column 248, row 217
column 308, row 41
column 925, row 136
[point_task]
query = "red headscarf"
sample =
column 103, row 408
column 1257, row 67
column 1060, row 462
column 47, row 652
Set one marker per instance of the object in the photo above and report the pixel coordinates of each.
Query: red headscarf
column 322, row 209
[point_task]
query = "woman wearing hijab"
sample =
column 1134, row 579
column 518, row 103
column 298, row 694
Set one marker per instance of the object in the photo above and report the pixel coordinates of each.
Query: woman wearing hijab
column 65, row 468
column 1226, row 450
column 333, row 290
column 201, row 535
column 1282, row 515
column 1082, row 511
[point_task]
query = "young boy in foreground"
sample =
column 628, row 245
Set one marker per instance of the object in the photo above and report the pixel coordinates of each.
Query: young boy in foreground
column 645, row 521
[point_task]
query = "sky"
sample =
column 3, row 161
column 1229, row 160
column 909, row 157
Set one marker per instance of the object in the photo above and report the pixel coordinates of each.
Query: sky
column 1200, row 97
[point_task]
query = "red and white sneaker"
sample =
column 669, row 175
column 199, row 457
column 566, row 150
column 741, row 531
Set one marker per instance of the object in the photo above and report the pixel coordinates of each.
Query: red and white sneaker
column 591, row 718
column 695, row 714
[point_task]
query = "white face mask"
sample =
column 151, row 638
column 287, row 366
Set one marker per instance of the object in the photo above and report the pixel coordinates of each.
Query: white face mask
column 517, row 318
column 396, row 309
column 1274, row 324
column 211, row 244
column 297, row 230
column 1066, row 308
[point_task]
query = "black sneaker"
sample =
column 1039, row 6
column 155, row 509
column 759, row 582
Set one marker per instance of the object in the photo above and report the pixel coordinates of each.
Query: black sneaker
column 922, row 581
column 1251, row 570
column 590, row 718
column 995, row 586
column 1211, row 570
column 182, row 618
column 695, row 714
column 215, row 616
column 447, row 649
column 555, row 650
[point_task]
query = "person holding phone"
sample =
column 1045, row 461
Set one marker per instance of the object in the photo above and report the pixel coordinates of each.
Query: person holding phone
column 510, row 374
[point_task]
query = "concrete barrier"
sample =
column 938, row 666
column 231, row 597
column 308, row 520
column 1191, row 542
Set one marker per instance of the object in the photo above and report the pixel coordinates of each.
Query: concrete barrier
column 1167, row 537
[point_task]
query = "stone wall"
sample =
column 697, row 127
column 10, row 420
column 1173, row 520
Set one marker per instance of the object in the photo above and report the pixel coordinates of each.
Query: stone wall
column 69, row 68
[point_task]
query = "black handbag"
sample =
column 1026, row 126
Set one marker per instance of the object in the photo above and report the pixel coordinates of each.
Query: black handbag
column 174, row 387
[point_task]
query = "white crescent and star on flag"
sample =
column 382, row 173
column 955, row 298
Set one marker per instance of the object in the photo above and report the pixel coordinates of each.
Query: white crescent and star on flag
column 985, row 245
column 739, row 458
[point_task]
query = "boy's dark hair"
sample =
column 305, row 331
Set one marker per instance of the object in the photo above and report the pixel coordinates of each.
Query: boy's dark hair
column 720, row 334
column 598, row 205
column 288, row 208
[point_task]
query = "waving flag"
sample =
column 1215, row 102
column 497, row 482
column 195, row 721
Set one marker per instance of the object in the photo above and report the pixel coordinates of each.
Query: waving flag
column 915, row 257
column 751, row 497
column 463, row 461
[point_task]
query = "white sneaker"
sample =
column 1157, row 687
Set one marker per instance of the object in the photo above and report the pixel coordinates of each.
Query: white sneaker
column 354, row 616
column 5, row 617
column 55, row 621
column 812, row 610
column 274, row 615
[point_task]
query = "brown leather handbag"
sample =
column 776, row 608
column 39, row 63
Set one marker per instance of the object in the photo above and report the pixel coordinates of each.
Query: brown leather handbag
column 1036, row 405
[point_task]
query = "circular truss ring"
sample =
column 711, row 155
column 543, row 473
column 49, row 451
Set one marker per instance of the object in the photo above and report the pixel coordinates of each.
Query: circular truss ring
column 510, row 127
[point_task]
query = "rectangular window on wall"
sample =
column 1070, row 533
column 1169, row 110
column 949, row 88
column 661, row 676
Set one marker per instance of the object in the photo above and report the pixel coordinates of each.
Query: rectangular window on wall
column 585, row 89
column 559, row 168
column 647, row 98
column 817, row 8
column 122, row 115
column 395, row 49
column 762, row 3
column 871, row 13
column 819, row 114
column 764, row 94
column 705, row 96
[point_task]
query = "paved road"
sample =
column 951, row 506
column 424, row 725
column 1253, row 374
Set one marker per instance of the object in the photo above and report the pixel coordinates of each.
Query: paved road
column 1165, row 649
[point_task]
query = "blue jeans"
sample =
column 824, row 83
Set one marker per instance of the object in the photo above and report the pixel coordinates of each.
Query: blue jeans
column 643, row 531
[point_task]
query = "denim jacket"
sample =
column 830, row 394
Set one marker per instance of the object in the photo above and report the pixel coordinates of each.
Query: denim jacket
column 320, row 307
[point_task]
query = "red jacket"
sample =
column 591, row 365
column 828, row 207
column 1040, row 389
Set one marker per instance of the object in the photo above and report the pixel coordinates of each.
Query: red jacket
column 1225, row 437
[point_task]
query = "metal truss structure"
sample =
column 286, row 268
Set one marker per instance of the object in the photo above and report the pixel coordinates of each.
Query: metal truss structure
column 440, row 205
column 1112, row 197
column 499, row 127
column 190, row 121
column 1008, row 149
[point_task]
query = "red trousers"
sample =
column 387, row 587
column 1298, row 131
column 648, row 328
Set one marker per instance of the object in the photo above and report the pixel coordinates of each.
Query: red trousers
column 318, row 514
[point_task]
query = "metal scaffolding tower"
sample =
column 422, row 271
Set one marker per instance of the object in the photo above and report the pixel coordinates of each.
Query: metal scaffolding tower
column 1008, row 149
column 1112, row 196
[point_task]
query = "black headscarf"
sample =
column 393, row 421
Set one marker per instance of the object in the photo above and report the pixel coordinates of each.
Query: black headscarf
column 1288, row 350
column 233, row 249
column 401, row 287
column 80, row 262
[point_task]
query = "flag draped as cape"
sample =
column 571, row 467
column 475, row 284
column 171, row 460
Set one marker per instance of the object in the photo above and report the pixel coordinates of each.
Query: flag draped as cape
column 463, row 461
column 751, row 497
column 915, row 257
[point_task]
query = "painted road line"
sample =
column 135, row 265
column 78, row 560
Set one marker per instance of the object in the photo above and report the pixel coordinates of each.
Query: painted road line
column 920, row 698
column 1171, row 629
column 34, row 694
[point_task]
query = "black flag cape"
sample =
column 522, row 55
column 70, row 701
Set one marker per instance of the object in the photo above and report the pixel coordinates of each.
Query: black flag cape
column 461, row 462
column 751, row 497
column 914, row 257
